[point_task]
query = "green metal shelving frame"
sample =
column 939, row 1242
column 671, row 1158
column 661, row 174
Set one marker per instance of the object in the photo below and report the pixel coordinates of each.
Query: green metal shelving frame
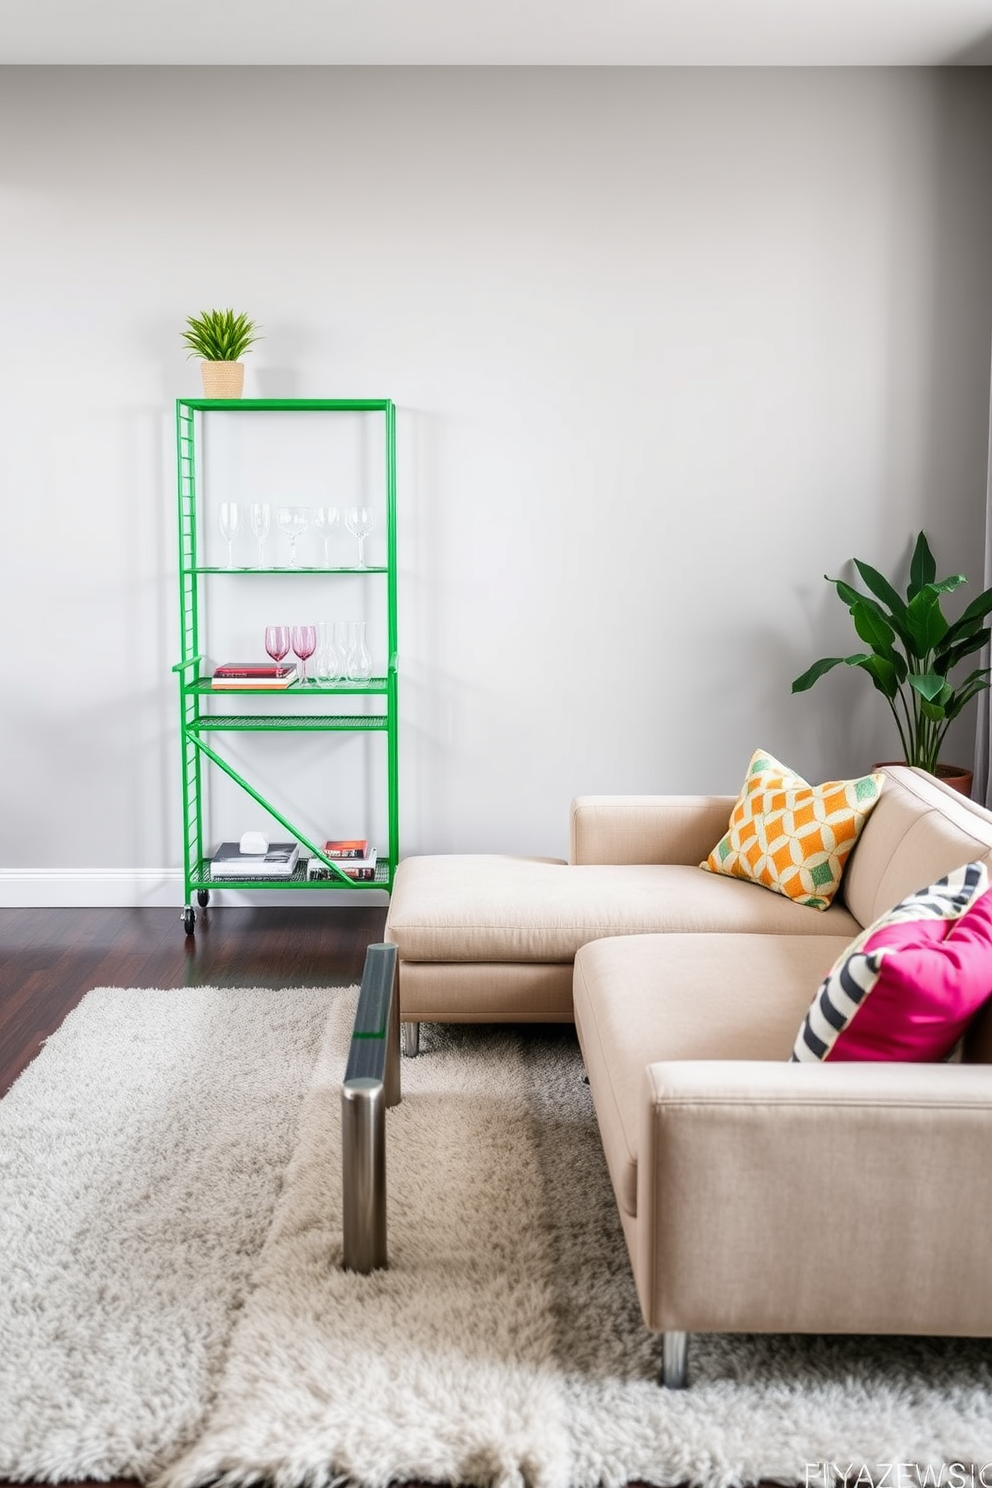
column 196, row 719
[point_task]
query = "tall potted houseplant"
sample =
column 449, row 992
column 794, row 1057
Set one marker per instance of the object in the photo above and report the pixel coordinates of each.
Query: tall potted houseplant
column 912, row 650
column 220, row 339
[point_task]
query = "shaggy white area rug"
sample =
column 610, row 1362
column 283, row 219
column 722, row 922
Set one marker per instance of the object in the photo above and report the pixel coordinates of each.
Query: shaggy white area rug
column 141, row 1155
column 173, row 1312
column 504, row 1345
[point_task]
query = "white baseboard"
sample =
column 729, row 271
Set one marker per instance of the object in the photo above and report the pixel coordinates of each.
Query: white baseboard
column 132, row 888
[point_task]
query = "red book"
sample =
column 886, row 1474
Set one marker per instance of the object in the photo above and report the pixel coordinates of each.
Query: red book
column 359, row 870
column 255, row 669
column 347, row 847
column 259, row 676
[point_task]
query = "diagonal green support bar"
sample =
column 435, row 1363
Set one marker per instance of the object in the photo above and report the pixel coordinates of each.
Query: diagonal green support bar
column 283, row 821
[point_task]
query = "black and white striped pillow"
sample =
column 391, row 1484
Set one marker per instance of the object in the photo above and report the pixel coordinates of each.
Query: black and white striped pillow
column 856, row 972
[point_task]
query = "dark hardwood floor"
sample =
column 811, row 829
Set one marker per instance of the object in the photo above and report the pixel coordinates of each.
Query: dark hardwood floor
column 49, row 958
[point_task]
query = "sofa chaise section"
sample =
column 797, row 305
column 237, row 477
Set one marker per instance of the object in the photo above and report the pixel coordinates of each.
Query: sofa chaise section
column 492, row 938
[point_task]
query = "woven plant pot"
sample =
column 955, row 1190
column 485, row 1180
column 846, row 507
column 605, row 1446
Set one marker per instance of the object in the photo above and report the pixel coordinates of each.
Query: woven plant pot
column 222, row 379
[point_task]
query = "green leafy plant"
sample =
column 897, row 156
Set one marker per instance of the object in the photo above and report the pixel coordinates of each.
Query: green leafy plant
column 913, row 650
column 219, row 335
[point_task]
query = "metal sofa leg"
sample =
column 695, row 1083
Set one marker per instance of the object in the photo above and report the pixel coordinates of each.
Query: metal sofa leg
column 411, row 1039
column 674, row 1361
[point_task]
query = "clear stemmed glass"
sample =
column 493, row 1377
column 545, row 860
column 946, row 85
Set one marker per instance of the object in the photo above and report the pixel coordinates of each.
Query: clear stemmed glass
column 277, row 641
column 229, row 521
column 324, row 520
column 292, row 520
column 359, row 521
column 304, row 640
column 260, row 514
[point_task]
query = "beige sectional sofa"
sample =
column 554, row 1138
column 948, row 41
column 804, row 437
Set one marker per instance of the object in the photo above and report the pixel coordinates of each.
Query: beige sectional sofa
column 755, row 1194
column 492, row 938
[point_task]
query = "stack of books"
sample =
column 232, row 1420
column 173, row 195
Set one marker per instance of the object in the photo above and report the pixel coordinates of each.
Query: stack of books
column 271, row 676
column 355, row 856
column 279, row 862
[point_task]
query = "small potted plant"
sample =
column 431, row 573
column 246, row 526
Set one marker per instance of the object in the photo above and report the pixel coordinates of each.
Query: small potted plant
column 220, row 339
column 913, row 648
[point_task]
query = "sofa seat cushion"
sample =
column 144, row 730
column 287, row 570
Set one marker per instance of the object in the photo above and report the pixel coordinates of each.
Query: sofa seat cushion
column 484, row 907
column 675, row 997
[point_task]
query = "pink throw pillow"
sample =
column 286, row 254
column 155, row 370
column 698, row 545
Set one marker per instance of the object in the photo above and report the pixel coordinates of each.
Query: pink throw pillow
column 908, row 986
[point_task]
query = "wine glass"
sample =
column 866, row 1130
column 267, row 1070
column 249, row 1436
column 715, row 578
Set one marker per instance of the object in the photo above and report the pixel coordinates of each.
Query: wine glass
column 304, row 639
column 292, row 520
column 229, row 521
column 359, row 521
column 260, row 514
column 277, row 641
column 324, row 519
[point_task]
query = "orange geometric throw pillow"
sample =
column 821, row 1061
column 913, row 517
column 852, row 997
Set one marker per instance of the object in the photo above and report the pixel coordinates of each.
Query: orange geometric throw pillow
column 792, row 837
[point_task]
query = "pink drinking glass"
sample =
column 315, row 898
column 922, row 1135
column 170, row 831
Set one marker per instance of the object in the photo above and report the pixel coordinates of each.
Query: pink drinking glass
column 277, row 641
column 304, row 645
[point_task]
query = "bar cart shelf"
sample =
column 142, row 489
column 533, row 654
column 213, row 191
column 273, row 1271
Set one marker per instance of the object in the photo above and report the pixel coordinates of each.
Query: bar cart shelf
column 204, row 723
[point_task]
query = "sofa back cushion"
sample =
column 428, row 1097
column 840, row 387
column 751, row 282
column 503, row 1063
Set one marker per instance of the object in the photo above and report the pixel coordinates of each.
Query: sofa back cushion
column 919, row 830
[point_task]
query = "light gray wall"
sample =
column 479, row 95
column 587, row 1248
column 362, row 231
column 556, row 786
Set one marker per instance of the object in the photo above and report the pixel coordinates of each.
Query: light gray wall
column 666, row 346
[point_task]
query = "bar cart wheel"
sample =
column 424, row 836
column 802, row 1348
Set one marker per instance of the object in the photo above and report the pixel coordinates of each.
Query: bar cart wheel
column 203, row 897
column 189, row 919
